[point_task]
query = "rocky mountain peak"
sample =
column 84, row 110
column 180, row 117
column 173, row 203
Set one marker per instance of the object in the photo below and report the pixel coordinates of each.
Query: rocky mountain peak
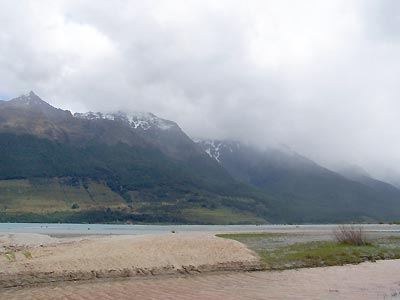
column 32, row 105
column 29, row 99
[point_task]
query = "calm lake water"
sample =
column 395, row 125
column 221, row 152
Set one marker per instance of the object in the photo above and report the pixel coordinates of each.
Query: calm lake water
column 104, row 229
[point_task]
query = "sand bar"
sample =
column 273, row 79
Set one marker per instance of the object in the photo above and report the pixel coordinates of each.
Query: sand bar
column 84, row 258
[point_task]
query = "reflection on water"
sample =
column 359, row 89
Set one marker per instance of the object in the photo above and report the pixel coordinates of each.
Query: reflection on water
column 380, row 280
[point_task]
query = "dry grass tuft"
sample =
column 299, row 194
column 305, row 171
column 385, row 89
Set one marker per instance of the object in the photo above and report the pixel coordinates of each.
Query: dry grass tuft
column 351, row 235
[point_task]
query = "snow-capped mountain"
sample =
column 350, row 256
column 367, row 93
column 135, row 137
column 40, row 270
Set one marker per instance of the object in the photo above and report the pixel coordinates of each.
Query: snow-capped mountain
column 146, row 162
column 31, row 115
column 163, row 175
column 136, row 120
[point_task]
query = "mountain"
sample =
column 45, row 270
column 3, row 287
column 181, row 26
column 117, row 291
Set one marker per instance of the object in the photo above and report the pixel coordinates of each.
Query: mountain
column 306, row 191
column 135, row 167
column 352, row 172
column 358, row 174
column 389, row 175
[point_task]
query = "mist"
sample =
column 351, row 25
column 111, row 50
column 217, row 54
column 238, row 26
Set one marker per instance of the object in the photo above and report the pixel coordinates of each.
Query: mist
column 319, row 76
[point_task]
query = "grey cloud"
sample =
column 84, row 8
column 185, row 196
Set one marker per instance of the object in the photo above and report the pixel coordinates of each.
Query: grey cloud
column 384, row 19
column 320, row 76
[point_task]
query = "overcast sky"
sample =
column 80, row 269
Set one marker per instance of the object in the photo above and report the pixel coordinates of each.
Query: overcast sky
column 320, row 76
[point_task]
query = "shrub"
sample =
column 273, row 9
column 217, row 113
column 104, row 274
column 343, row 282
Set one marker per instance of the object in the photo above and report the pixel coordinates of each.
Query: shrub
column 351, row 235
column 27, row 254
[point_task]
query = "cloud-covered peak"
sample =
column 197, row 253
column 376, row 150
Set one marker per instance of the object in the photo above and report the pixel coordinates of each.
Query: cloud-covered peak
column 320, row 76
column 136, row 120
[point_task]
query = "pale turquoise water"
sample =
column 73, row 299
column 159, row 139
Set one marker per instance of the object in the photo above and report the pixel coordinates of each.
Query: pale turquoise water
column 79, row 229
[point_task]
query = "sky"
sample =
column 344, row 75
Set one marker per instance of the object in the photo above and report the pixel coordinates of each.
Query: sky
column 321, row 77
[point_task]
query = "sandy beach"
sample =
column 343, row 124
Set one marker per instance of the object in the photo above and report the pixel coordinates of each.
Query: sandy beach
column 43, row 259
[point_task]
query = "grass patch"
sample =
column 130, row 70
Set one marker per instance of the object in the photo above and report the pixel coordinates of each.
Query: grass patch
column 27, row 254
column 318, row 254
column 10, row 255
column 314, row 254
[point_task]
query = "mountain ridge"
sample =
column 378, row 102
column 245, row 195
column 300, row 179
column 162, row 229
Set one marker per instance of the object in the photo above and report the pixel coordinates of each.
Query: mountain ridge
column 299, row 182
column 162, row 175
column 148, row 161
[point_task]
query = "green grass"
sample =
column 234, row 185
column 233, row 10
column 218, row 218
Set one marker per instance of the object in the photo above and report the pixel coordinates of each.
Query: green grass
column 54, row 194
column 27, row 254
column 10, row 255
column 315, row 254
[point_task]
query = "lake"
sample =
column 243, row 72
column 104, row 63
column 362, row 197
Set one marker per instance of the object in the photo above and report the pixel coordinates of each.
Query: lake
column 105, row 229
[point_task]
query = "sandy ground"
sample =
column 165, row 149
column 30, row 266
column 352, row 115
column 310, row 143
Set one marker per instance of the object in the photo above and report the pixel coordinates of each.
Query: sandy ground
column 63, row 264
column 27, row 240
column 367, row 281
column 81, row 258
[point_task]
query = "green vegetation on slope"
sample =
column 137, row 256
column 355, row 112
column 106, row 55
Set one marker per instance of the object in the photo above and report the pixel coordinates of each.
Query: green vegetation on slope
column 46, row 195
column 306, row 192
column 44, row 177
column 75, row 200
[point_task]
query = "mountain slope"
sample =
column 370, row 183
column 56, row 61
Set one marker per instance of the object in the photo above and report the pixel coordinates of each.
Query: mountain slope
column 137, row 167
column 306, row 191
column 149, row 162
column 358, row 174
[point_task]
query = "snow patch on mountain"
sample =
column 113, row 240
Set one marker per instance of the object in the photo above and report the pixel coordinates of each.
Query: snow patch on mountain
column 136, row 120
column 94, row 116
column 212, row 149
column 215, row 148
